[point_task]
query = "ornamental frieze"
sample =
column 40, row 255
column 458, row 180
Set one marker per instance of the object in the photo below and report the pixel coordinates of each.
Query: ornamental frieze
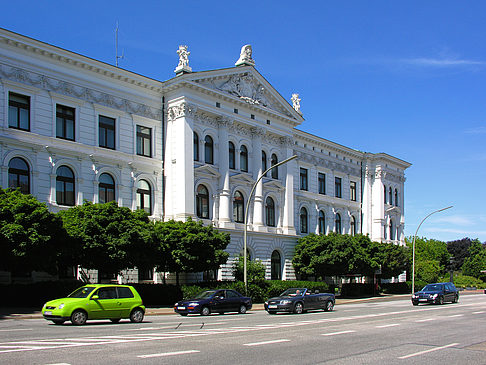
column 181, row 110
column 89, row 95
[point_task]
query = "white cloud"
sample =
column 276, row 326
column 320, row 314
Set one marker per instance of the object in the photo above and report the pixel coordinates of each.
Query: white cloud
column 465, row 233
column 478, row 130
column 459, row 220
column 444, row 62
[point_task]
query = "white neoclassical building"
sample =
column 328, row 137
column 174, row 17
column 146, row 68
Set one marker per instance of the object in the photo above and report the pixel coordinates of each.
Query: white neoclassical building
column 74, row 129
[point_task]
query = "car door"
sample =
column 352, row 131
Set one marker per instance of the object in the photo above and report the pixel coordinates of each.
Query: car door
column 448, row 293
column 104, row 303
column 233, row 301
column 219, row 302
column 309, row 300
column 126, row 300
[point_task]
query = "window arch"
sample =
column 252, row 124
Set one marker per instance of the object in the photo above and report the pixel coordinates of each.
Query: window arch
column 244, row 158
column 270, row 212
column 19, row 175
column 303, row 220
column 106, row 188
column 337, row 223
column 65, row 186
column 144, row 196
column 322, row 222
column 249, row 255
column 239, row 207
column 202, row 202
column 208, row 150
column 353, row 226
column 274, row 161
column 392, row 230
column 390, row 195
column 231, row 155
column 196, row 147
column 264, row 162
column 396, row 197
column 384, row 196
column 276, row 266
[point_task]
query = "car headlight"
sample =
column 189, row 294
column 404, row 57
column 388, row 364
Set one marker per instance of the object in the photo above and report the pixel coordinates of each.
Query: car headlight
column 415, row 296
column 193, row 304
column 285, row 302
column 61, row 306
column 433, row 296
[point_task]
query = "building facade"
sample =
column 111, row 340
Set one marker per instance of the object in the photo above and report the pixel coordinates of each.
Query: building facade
column 75, row 129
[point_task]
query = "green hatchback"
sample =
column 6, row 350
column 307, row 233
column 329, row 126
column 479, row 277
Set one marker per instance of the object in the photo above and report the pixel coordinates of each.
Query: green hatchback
column 97, row 301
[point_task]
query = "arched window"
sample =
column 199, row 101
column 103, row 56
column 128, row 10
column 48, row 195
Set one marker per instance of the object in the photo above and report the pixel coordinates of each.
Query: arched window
column 144, row 196
column 274, row 161
column 202, row 202
column 249, row 256
column 353, row 226
column 208, row 150
column 303, row 220
column 239, row 207
column 18, row 175
column 392, row 230
column 231, row 153
column 390, row 196
column 337, row 223
column 196, row 147
column 396, row 197
column 244, row 158
column 65, row 186
column 384, row 196
column 322, row 223
column 270, row 212
column 276, row 266
column 264, row 162
column 106, row 188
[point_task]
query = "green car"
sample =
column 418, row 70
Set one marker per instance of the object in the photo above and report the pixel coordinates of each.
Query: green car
column 97, row 301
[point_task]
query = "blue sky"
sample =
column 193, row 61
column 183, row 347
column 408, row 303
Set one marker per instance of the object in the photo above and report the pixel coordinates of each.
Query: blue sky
column 405, row 78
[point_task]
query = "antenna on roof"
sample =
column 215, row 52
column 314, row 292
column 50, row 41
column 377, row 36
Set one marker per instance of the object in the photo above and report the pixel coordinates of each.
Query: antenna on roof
column 116, row 46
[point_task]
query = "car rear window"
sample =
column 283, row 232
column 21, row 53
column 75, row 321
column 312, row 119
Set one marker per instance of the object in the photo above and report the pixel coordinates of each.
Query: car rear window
column 124, row 292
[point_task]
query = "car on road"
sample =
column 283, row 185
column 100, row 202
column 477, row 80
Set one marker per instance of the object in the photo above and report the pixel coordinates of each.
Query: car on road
column 97, row 301
column 436, row 293
column 299, row 300
column 214, row 301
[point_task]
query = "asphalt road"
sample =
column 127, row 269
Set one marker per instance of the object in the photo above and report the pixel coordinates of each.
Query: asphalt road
column 382, row 332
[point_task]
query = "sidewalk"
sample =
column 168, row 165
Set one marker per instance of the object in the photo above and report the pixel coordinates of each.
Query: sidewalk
column 30, row 313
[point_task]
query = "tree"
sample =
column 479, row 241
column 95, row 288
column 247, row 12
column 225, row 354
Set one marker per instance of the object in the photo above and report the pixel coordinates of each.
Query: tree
column 255, row 270
column 431, row 258
column 189, row 247
column 476, row 262
column 111, row 238
column 459, row 249
column 31, row 237
column 393, row 259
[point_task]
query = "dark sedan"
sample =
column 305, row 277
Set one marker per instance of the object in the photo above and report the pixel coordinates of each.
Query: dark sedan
column 298, row 300
column 214, row 301
column 436, row 293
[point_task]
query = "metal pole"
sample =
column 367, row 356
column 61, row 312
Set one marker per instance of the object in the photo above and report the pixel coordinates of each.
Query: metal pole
column 413, row 245
column 246, row 214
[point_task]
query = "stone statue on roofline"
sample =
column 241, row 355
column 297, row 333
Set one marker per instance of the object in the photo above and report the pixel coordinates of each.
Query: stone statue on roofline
column 183, row 65
column 245, row 56
column 296, row 103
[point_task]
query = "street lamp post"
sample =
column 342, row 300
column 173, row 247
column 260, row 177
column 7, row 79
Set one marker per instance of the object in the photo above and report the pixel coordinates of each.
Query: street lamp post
column 413, row 245
column 246, row 213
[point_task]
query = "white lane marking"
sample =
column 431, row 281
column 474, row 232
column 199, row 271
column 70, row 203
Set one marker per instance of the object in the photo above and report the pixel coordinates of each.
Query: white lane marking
column 265, row 342
column 168, row 354
column 337, row 333
column 456, row 315
column 60, row 363
column 17, row 329
column 388, row 325
column 427, row 351
column 478, row 312
column 426, row 320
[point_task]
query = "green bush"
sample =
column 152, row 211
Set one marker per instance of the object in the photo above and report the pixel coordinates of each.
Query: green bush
column 464, row 281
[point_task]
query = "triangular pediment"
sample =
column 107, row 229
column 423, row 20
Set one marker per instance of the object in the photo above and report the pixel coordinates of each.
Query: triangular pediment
column 273, row 184
column 207, row 171
column 242, row 179
column 244, row 84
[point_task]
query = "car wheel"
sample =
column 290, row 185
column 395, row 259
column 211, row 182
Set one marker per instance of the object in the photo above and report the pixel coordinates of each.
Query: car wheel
column 58, row 321
column 242, row 309
column 272, row 312
column 115, row 320
column 137, row 315
column 415, row 303
column 441, row 300
column 205, row 311
column 79, row 317
column 299, row 308
column 329, row 306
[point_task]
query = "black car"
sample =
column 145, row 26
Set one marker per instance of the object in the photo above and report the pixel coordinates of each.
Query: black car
column 298, row 300
column 436, row 293
column 214, row 301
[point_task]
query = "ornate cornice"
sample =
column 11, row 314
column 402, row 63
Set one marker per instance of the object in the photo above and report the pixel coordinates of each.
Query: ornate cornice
column 181, row 110
column 322, row 162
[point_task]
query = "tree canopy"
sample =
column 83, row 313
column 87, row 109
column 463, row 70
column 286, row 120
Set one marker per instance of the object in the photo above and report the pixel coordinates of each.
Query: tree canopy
column 431, row 258
column 459, row 249
column 476, row 262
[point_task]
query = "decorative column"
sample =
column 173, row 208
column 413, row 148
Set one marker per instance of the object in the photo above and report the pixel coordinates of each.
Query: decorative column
column 257, row 134
column 224, row 180
column 288, row 171
column 378, row 204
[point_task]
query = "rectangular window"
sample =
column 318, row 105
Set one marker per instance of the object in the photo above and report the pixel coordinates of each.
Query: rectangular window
column 303, row 179
column 107, row 132
column 252, row 116
column 236, row 111
column 338, row 187
column 321, row 182
column 352, row 191
column 64, row 122
column 144, row 141
column 19, row 111
column 218, row 105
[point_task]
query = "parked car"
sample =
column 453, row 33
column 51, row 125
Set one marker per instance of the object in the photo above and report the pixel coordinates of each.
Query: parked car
column 97, row 301
column 298, row 300
column 214, row 301
column 436, row 293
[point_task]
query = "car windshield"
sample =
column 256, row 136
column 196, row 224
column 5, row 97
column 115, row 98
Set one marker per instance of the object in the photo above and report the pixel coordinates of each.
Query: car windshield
column 293, row 292
column 432, row 287
column 82, row 292
column 205, row 294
